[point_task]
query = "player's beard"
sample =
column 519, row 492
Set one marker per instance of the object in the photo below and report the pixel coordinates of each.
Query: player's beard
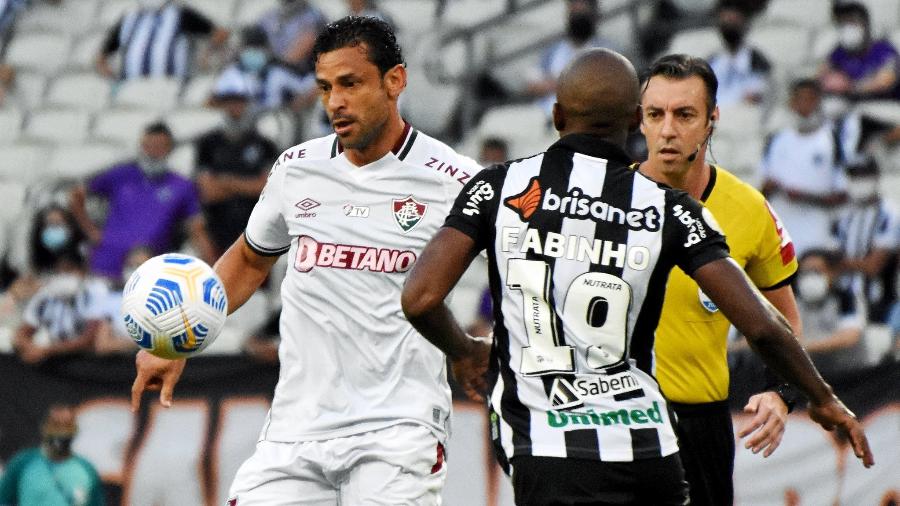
column 365, row 137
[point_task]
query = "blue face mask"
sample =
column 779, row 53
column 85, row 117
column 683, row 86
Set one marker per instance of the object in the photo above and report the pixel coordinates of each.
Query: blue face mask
column 254, row 60
column 55, row 237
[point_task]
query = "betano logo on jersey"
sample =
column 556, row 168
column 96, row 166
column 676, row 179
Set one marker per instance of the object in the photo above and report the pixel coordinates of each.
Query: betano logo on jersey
column 559, row 419
column 408, row 212
column 312, row 253
column 577, row 204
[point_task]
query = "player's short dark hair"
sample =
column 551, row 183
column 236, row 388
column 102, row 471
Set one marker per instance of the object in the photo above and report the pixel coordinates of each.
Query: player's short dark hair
column 495, row 143
column 683, row 66
column 806, row 83
column 377, row 35
column 159, row 127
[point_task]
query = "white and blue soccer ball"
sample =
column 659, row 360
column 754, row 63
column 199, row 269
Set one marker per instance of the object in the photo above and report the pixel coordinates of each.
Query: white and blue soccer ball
column 174, row 305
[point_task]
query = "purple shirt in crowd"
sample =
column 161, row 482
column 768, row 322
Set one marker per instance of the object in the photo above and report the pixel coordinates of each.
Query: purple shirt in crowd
column 142, row 211
column 861, row 66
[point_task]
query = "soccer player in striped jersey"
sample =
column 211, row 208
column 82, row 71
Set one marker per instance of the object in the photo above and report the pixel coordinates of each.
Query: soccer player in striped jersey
column 580, row 247
column 679, row 117
column 361, row 408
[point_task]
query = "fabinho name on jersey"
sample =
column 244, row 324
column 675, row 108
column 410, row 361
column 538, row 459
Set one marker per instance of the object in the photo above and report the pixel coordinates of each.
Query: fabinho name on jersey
column 575, row 247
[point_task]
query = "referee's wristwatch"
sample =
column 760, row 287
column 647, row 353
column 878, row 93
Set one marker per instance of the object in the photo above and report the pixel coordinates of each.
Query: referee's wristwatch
column 788, row 394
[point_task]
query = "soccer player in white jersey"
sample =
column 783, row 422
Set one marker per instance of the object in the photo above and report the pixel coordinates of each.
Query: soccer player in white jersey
column 579, row 248
column 361, row 408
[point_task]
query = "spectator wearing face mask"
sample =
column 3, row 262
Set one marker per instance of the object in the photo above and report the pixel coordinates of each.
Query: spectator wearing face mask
column 860, row 67
column 269, row 84
column 743, row 71
column 64, row 315
column 801, row 170
column 148, row 204
column 868, row 232
column 233, row 163
column 581, row 33
column 52, row 475
column 833, row 312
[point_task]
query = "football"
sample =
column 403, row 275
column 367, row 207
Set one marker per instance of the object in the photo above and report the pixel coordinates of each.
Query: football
column 174, row 305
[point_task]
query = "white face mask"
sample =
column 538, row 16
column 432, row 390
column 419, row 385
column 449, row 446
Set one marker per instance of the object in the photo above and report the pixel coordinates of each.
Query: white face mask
column 152, row 167
column 813, row 287
column 862, row 188
column 851, row 36
column 809, row 124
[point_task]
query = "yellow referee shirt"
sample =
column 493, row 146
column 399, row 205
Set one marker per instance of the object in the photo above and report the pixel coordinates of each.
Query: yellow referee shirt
column 691, row 340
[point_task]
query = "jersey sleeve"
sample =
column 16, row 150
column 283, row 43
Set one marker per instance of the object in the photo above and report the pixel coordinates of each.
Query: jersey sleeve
column 773, row 263
column 691, row 234
column 476, row 206
column 267, row 233
column 9, row 482
column 887, row 229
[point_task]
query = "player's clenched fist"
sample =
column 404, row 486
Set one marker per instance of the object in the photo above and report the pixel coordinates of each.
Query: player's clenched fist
column 469, row 370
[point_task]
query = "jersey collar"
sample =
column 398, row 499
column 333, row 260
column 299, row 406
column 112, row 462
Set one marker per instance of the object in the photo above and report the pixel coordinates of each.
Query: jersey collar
column 593, row 145
column 710, row 184
column 400, row 149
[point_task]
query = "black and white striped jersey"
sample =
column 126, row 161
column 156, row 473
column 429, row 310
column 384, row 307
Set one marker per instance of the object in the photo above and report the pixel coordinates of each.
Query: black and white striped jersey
column 580, row 248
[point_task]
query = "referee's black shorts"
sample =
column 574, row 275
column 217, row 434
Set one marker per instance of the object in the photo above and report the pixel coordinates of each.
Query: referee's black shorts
column 551, row 481
column 706, row 444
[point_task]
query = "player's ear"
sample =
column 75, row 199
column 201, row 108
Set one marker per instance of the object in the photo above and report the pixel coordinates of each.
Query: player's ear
column 714, row 117
column 559, row 117
column 395, row 80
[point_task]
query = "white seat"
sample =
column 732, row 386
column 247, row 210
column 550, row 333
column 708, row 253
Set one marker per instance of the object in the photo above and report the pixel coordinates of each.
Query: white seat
column 429, row 105
column 701, row 42
column 786, row 45
column 152, row 93
column 12, row 194
column 122, row 126
column 22, row 163
column 249, row 13
column 809, row 13
column 78, row 162
column 198, row 90
column 885, row 15
column 470, row 12
column 330, row 9
column 740, row 120
column 278, row 126
column 72, row 17
column 513, row 120
column 183, row 159
column 10, row 124
column 187, row 124
column 221, row 12
column 111, row 11
column 57, row 126
column 824, row 41
column 28, row 90
column 85, row 51
column 885, row 110
column 44, row 53
column 84, row 90
column 413, row 17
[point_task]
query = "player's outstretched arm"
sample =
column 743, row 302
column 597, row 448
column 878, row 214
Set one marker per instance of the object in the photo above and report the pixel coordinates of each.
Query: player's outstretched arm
column 242, row 271
column 771, row 337
column 443, row 262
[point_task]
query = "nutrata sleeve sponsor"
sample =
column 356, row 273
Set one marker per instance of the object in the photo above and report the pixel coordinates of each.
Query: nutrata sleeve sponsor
column 312, row 253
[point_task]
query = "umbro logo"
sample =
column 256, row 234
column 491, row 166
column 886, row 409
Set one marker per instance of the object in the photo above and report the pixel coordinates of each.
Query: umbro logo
column 305, row 205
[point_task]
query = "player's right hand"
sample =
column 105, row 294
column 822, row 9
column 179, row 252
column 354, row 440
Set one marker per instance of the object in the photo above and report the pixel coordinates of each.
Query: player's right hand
column 834, row 415
column 469, row 370
column 154, row 373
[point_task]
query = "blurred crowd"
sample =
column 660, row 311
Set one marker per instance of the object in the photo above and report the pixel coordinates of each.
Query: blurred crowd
column 81, row 239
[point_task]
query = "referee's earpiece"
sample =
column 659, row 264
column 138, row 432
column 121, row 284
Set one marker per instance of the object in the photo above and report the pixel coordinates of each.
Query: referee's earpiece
column 693, row 156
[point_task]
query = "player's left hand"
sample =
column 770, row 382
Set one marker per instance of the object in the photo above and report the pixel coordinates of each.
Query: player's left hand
column 469, row 370
column 767, row 425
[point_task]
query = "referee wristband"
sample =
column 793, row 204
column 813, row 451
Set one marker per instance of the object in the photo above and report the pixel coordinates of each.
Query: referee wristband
column 788, row 394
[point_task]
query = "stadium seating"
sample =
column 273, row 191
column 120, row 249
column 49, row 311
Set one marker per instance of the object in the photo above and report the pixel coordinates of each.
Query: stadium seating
column 84, row 90
column 41, row 52
column 85, row 51
column 12, row 194
column 430, row 105
column 10, row 124
column 248, row 13
column 809, row 13
column 278, row 126
column 470, row 12
column 80, row 161
column 785, row 45
column 183, row 159
column 57, row 126
column 20, row 163
column 198, row 89
column 28, row 89
column 186, row 124
column 68, row 17
column 153, row 94
column 697, row 42
column 122, row 126
column 221, row 12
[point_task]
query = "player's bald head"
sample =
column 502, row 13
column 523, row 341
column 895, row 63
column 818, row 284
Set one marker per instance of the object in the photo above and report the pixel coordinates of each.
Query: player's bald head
column 599, row 93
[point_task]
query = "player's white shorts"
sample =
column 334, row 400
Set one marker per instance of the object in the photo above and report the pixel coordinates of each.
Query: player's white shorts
column 399, row 465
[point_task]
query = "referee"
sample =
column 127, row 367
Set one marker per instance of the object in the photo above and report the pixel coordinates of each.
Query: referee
column 679, row 117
